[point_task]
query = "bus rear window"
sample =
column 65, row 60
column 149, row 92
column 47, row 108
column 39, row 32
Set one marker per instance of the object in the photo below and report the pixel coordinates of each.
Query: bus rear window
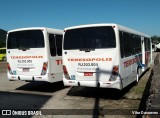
column 90, row 38
column 25, row 39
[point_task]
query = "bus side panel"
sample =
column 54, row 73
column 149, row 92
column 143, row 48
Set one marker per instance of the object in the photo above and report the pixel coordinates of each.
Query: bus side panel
column 56, row 68
column 127, row 71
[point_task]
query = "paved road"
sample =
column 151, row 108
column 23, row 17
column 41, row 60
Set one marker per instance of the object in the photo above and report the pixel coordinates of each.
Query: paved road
column 42, row 95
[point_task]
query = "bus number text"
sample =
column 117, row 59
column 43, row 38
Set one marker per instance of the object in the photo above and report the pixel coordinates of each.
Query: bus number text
column 87, row 64
column 24, row 61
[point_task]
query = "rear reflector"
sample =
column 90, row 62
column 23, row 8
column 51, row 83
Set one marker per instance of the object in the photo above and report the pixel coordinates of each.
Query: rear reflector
column 88, row 73
column 44, row 68
column 65, row 69
column 9, row 69
column 115, row 68
column 65, row 72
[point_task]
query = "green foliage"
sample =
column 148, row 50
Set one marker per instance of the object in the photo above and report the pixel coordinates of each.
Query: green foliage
column 3, row 34
column 155, row 39
column 2, row 38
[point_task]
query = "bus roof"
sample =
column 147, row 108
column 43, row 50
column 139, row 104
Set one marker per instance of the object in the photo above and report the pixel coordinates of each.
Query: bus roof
column 49, row 30
column 120, row 27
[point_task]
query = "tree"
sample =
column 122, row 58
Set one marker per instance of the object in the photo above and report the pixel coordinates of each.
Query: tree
column 3, row 34
column 155, row 39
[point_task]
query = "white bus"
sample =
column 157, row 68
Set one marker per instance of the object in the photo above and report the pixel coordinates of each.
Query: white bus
column 157, row 47
column 104, row 55
column 35, row 54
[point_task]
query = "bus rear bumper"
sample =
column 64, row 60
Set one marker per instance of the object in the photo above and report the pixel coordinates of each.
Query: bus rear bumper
column 46, row 78
column 110, row 84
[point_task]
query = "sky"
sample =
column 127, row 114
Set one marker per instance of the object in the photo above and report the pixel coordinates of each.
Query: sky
column 140, row 15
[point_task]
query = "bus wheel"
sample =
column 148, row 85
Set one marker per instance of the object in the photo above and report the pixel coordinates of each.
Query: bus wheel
column 4, row 58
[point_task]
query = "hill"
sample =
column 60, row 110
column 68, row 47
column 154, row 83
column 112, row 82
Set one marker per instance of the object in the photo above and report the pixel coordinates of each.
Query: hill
column 3, row 34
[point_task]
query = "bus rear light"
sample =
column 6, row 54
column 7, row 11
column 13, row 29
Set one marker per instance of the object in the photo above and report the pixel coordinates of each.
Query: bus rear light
column 44, row 68
column 65, row 72
column 88, row 73
column 115, row 69
column 115, row 72
column 9, row 68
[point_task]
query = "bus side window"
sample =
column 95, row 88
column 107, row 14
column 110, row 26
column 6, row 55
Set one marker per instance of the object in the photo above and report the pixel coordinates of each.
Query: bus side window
column 127, row 44
column 134, row 44
column 59, row 44
column 147, row 44
column 121, row 44
column 52, row 45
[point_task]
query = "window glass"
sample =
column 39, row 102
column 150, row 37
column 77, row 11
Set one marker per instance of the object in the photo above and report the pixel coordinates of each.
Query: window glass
column 130, row 44
column 121, row 44
column 147, row 44
column 136, row 44
column 52, row 45
column 25, row 39
column 90, row 38
column 59, row 44
column 127, row 44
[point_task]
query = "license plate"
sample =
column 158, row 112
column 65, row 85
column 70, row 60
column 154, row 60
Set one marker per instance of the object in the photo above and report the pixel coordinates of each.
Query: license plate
column 88, row 74
column 25, row 69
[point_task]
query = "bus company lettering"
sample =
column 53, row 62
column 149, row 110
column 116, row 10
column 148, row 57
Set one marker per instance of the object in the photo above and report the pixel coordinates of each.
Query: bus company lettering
column 132, row 61
column 90, row 59
column 59, row 62
column 26, row 57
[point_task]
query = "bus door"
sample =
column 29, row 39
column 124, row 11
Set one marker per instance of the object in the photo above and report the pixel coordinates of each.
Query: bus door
column 55, row 43
column 143, row 54
column 147, row 44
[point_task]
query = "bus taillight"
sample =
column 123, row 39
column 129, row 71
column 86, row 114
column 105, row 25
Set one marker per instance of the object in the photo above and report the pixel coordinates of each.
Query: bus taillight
column 65, row 72
column 115, row 72
column 44, row 68
column 115, row 69
column 9, row 69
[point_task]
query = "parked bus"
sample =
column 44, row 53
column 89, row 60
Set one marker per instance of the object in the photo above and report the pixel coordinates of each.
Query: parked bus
column 157, row 47
column 104, row 55
column 35, row 54
column 2, row 54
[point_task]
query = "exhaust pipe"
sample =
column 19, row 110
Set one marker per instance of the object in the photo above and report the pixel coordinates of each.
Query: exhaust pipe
column 79, row 84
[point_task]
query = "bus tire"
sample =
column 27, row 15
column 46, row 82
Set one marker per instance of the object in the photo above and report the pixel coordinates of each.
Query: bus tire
column 4, row 58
